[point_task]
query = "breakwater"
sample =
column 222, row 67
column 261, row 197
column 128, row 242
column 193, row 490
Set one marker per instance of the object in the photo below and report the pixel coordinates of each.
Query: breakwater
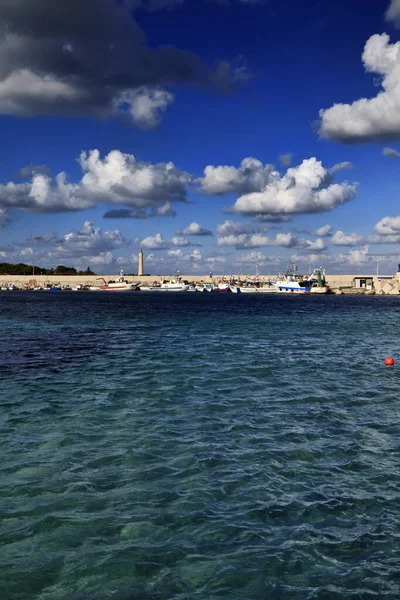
column 337, row 283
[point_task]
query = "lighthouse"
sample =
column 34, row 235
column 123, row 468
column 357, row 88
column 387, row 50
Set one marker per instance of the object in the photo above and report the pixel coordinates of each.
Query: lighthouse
column 140, row 263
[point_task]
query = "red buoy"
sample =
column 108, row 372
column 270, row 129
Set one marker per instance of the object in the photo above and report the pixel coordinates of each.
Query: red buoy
column 389, row 362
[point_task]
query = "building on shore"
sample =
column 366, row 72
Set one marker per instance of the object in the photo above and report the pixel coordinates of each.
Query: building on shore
column 140, row 264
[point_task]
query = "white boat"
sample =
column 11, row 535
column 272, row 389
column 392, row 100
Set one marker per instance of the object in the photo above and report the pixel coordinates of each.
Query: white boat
column 258, row 287
column 119, row 285
column 204, row 287
column 222, row 286
column 297, row 284
column 175, row 284
column 235, row 289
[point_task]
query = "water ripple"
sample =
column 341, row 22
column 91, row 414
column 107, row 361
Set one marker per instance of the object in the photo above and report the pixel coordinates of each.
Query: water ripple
column 198, row 446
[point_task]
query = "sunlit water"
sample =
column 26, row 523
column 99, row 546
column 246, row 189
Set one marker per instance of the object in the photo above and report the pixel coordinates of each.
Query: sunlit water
column 199, row 446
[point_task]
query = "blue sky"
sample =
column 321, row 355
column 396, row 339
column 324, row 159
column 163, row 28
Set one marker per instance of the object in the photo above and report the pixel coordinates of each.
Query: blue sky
column 216, row 135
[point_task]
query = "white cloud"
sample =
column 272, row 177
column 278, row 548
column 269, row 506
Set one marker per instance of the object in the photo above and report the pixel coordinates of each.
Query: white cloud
column 21, row 91
column 340, row 166
column 393, row 12
column 118, row 178
column 104, row 258
column 388, row 226
column 341, row 239
column 370, row 119
column 180, row 241
column 232, row 240
column 176, row 253
column 258, row 258
column 215, row 259
column 90, row 240
column 165, row 211
column 155, row 242
column 195, row 229
column 196, row 255
column 306, row 188
column 324, row 231
column 260, row 240
column 233, row 228
column 390, row 152
column 359, row 257
column 145, row 105
column 317, row 246
column 251, row 176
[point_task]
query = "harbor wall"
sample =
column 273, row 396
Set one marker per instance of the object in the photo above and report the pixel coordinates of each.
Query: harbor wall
column 333, row 281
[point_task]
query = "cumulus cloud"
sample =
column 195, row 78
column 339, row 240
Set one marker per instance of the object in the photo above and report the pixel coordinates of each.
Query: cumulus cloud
column 251, row 176
column 180, row 241
column 234, row 228
column 390, row 152
column 90, row 58
column 117, row 178
column 31, row 170
column 307, row 188
column 258, row 258
column 388, row 226
column 195, row 229
column 79, row 248
column 393, row 12
column 359, row 257
column 155, row 242
column 145, row 106
column 233, row 240
column 324, row 231
column 215, row 259
column 90, row 240
column 158, row 242
column 317, row 245
column 374, row 119
column 387, row 231
column 196, row 255
column 341, row 239
column 260, row 240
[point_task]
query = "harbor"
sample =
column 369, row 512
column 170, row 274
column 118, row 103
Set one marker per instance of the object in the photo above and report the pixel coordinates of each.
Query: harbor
column 288, row 283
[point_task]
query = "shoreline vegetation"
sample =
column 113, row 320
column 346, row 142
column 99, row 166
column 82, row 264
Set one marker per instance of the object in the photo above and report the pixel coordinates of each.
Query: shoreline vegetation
column 27, row 270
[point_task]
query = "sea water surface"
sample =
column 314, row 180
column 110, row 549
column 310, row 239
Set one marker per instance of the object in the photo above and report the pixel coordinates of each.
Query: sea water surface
column 199, row 446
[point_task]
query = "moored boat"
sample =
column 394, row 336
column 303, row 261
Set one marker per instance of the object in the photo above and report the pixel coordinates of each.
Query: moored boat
column 119, row 285
column 297, row 284
column 175, row 284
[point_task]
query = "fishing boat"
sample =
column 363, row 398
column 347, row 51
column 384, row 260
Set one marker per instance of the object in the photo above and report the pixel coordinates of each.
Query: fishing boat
column 258, row 287
column 119, row 285
column 204, row 287
column 175, row 284
column 222, row 286
column 292, row 283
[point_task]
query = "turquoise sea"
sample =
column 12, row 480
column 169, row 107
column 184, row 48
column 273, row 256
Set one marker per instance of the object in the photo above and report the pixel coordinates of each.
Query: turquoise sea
column 199, row 446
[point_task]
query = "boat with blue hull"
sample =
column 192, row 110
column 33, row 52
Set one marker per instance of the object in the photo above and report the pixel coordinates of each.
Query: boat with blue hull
column 292, row 283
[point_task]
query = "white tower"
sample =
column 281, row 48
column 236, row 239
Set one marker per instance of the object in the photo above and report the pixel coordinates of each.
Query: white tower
column 140, row 263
